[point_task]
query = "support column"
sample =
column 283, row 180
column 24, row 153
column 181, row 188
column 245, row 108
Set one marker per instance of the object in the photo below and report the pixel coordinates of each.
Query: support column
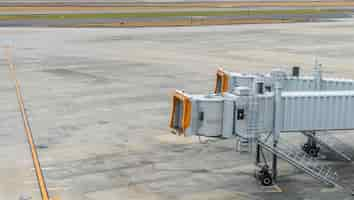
column 277, row 123
column 258, row 154
column 317, row 74
column 275, row 164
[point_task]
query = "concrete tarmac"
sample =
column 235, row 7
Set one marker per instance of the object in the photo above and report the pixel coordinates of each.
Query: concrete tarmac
column 98, row 102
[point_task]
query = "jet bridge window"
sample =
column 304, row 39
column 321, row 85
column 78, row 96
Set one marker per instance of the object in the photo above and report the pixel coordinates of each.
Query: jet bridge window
column 240, row 114
column 268, row 88
column 201, row 116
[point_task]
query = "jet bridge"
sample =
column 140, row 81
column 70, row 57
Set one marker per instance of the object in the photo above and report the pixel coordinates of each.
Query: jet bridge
column 260, row 107
column 226, row 81
column 235, row 113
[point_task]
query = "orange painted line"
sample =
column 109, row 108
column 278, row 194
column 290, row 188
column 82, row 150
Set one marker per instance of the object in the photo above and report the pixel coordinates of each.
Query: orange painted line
column 27, row 128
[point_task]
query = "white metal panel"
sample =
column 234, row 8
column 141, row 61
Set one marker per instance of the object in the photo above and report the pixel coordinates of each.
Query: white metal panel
column 258, row 115
column 242, row 125
column 265, row 110
column 241, row 80
column 211, row 108
column 298, row 83
column 228, row 118
column 305, row 83
column 337, row 84
column 290, row 83
column 194, row 124
column 318, row 110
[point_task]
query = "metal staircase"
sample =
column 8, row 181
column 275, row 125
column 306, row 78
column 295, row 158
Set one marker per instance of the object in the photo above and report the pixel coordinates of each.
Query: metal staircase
column 300, row 160
column 332, row 143
column 254, row 128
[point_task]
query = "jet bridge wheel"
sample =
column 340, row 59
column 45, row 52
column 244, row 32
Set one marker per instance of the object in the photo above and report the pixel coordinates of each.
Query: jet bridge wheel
column 314, row 151
column 267, row 180
column 311, row 150
column 264, row 176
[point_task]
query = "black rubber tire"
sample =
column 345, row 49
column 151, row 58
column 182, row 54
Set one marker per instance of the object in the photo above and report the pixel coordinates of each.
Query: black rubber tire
column 305, row 147
column 313, row 152
column 267, row 181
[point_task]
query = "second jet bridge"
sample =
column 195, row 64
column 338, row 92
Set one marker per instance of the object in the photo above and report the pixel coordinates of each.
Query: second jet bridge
column 226, row 81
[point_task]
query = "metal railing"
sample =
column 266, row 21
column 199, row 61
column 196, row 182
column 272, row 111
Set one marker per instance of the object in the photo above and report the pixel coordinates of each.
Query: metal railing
column 301, row 160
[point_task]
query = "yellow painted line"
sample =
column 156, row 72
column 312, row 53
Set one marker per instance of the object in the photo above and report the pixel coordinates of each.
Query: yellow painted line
column 271, row 189
column 36, row 163
column 278, row 189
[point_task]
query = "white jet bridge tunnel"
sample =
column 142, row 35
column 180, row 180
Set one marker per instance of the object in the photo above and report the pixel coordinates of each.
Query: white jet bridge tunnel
column 260, row 107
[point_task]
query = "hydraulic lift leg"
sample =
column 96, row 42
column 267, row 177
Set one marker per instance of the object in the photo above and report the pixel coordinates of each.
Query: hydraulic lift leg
column 263, row 173
column 258, row 154
column 275, row 164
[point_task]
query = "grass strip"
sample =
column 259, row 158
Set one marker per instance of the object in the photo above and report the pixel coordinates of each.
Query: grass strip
column 169, row 14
